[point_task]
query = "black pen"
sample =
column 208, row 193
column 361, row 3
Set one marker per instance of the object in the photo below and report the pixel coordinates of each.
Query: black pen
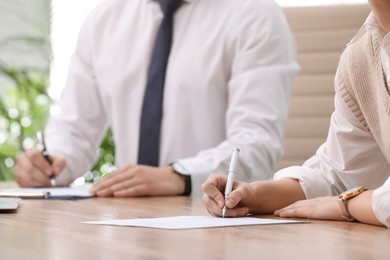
column 41, row 138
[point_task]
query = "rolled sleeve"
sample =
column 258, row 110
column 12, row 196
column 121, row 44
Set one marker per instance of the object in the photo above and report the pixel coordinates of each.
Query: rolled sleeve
column 199, row 169
column 75, row 133
column 259, row 90
column 381, row 203
column 310, row 177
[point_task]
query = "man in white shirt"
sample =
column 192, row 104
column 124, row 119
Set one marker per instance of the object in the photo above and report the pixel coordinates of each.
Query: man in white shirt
column 227, row 85
column 348, row 178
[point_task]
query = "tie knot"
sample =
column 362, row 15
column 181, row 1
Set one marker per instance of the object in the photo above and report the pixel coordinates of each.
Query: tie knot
column 169, row 7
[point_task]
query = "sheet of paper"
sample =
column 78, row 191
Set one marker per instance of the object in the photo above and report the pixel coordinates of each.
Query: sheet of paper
column 51, row 193
column 190, row 222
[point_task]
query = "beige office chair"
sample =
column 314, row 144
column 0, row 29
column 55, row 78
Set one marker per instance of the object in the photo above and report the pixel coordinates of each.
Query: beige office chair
column 321, row 33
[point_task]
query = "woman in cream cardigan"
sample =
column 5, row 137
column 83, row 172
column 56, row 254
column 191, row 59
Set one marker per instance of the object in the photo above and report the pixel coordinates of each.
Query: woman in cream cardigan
column 349, row 176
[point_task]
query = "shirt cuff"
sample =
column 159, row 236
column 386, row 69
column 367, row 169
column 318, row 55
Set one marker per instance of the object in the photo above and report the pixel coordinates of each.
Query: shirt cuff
column 65, row 178
column 311, row 180
column 381, row 203
column 199, row 169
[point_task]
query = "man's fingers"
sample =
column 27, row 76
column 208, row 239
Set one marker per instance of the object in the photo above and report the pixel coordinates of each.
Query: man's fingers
column 58, row 165
column 133, row 191
column 36, row 158
column 114, row 181
column 28, row 175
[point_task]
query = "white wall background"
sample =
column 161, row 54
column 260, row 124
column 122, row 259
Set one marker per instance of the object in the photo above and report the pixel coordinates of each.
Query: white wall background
column 68, row 16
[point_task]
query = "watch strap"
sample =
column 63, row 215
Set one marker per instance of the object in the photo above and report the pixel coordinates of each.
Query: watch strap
column 344, row 211
column 187, row 184
column 186, row 177
column 343, row 201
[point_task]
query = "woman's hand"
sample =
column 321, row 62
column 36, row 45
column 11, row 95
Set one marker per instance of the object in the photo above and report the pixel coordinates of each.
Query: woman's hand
column 325, row 208
column 237, row 203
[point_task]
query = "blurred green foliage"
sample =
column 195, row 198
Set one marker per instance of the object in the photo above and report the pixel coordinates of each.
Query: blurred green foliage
column 25, row 59
column 23, row 112
column 25, row 56
column 106, row 158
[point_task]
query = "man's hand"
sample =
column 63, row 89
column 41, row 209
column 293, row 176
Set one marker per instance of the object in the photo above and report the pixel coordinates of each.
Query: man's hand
column 32, row 169
column 139, row 180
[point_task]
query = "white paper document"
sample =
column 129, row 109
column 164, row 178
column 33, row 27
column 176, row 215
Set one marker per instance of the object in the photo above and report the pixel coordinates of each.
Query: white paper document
column 47, row 193
column 190, row 222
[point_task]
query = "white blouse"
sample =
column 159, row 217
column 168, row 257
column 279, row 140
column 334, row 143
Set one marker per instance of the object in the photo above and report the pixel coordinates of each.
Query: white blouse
column 350, row 156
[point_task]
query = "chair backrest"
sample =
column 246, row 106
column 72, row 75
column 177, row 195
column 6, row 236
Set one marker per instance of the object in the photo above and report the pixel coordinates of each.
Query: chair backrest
column 321, row 34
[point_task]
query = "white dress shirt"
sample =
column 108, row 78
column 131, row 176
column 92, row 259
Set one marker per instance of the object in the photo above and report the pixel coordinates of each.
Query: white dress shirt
column 227, row 85
column 350, row 156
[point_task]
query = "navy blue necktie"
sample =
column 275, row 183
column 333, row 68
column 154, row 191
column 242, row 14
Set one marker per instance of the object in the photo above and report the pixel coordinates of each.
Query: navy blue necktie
column 149, row 142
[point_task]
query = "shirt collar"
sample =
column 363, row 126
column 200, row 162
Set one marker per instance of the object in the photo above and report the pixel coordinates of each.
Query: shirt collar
column 371, row 26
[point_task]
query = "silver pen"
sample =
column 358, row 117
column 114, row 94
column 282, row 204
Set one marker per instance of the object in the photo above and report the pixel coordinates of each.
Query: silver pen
column 41, row 138
column 230, row 179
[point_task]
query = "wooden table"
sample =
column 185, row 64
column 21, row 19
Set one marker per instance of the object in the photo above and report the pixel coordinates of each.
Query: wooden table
column 51, row 229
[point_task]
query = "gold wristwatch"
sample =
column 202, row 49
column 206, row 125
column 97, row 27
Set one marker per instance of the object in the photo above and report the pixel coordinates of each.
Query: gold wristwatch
column 344, row 197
